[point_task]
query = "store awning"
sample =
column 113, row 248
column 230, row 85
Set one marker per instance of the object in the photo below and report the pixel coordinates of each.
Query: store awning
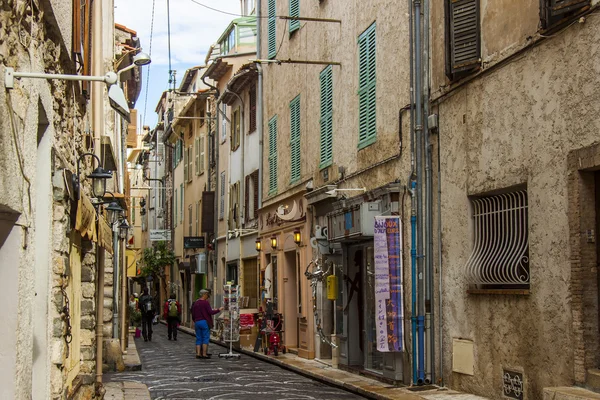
column 85, row 220
column 105, row 235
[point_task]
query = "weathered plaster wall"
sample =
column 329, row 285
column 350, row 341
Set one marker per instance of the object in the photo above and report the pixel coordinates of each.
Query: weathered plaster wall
column 337, row 43
column 515, row 125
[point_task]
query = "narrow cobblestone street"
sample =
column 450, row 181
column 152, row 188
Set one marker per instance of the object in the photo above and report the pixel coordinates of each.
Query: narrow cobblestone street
column 171, row 371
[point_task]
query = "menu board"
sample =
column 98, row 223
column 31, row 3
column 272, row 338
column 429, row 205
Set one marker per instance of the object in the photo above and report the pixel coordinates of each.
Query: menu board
column 388, row 283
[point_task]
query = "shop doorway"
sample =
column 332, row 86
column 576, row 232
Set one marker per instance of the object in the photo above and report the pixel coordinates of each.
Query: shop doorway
column 290, row 301
column 359, row 308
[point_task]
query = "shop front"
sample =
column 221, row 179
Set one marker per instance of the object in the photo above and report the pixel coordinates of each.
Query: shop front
column 284, row 290
column 369, row 332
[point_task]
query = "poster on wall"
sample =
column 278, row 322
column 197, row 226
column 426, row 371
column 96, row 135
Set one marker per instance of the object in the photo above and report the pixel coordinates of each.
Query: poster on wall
column 388, row 283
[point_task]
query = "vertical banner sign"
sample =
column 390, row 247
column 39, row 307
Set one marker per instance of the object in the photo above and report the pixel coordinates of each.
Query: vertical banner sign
column 388, row 283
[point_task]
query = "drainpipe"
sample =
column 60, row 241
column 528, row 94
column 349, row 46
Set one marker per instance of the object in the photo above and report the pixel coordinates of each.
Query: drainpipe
column 259, row 103
column 116, row 256
column 412, row 189
column 428, row 203
column 97, row 128
column 419, row 160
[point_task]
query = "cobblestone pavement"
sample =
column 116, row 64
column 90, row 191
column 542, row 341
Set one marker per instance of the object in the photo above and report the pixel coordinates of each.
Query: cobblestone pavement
column 171, row 371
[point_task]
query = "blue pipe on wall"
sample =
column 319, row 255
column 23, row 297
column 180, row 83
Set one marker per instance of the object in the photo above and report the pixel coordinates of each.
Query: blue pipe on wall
column 413, row 269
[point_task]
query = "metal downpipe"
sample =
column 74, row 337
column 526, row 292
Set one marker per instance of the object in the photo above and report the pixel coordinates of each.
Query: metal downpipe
column 259, row 103
column 419, row 161
column 413, row 274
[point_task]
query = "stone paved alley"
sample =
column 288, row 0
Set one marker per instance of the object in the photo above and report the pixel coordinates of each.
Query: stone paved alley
column 171, row 371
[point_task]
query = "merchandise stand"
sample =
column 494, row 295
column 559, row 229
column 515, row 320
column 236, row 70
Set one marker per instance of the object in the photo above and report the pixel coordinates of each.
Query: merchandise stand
column 231, row 330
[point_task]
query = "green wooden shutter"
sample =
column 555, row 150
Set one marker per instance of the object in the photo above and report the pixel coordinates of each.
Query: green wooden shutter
column 294, row 12
column 271, row 29
column 326, row 120
column 273, row 155
column 295, row 139
column 367, row 123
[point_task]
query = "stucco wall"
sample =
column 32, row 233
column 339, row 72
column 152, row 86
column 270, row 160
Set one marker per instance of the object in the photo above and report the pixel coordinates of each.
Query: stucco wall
column 515, row 125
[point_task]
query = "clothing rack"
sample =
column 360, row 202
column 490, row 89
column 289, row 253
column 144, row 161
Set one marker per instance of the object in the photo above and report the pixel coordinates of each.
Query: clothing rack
column 231, row 331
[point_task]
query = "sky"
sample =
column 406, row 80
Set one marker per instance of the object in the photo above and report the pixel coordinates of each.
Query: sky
column 193, row 29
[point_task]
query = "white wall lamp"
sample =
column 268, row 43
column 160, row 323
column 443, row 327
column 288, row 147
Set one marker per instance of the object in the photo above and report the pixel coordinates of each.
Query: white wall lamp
column 334, row 192
column 115, row 94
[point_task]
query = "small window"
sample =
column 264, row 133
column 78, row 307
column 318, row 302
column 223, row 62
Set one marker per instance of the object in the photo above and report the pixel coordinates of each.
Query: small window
column 202, row 154
column 326, row 120
column 252, row 107
column 500, row 255
column 463, row 38
column 190, row 212
column 222, row 183
column 176, row 210
column 235, row 129
column 181, row 197
column 553, row 13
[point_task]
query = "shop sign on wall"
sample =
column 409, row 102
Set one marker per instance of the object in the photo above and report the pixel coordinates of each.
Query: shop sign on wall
column 388, row 283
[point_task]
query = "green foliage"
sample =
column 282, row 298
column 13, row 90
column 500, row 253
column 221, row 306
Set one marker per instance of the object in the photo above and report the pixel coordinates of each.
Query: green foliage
column 155, row 259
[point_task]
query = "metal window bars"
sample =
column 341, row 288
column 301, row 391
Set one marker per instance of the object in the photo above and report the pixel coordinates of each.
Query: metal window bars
column 500, row 253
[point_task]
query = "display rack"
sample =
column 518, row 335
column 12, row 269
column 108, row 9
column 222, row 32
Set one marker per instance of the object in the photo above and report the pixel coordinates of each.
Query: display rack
column 231, row 320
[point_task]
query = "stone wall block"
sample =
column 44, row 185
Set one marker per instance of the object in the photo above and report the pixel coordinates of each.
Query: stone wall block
column 58, row 327
column 88, row 290
column 88, row 353
column 88, row 273
column 59, row 212
column 87, row 307
column 88, row 322
column 57, row 351
column 87, row 338
column 58, row 266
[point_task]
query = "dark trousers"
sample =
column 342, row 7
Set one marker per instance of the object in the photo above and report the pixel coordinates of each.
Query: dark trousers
column 172, row 327
column 147, row 325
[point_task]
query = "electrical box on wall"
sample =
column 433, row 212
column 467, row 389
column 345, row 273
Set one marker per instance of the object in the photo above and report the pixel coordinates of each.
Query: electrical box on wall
column 332, row 285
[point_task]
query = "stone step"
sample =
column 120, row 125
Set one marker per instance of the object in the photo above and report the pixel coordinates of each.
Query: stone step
column 592, row 379
column 569, row 393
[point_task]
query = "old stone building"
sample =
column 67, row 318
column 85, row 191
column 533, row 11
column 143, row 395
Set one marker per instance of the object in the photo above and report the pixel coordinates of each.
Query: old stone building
column 515, row 92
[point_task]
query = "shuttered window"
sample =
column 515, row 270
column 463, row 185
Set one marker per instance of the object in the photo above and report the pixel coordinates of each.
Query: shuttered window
column 553, row 12
column 295, row 139
column 222, row 196
column 208, row 212
column 202, row 155
column 190, row 163
column 294, row 12
column 464, row 37
column 197, row 159
column 326, row 119
column 181, row 196
column 186, row 156
column 190, row 212
column 367, row 123
column 252, row 110
column 176, row 209
column 251, row 196
column 235, row 130
column 197, row 217
column 271, row 29
column 273, row 155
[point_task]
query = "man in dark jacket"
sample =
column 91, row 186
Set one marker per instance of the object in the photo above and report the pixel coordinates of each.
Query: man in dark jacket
column 172, row 313
column 148, row 310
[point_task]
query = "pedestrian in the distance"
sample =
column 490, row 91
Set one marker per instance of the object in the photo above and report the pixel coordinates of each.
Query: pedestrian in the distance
column 148, row 310
column 172, row 313
column 202, row 314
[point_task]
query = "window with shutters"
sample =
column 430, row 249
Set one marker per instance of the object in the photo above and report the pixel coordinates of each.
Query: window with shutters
column 175, row 219
column 251, row 198
column 222, row 196
column 234, row 206
column 252, row 106
column 223, row 123
column 273, row 155
column 82, row 39
column 554, row 13
column 463, row 38
column 181, row 203
column 367, row 110
column 197, row 159
column 190, row 212
column 185, row 165
column 294, row 12
column 235, row 129
column 201, row 149
column 500, row 255
column 190, row 157
column 271, row 29
column 295, row 140
column 326, row 118
column 197, row 217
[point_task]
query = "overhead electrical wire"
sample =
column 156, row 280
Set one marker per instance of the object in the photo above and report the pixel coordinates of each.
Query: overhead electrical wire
column 148, row 71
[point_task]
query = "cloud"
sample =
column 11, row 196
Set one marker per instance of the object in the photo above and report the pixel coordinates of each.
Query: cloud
column 193, row 28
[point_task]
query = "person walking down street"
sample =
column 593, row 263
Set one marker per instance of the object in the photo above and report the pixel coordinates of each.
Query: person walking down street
column 172, row 313
column 202, row 314
column 147, row 308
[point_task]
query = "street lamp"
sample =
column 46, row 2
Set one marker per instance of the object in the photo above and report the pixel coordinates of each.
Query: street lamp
column 123, row 229
column 274, row 242
column 99, row 177
column 114, row 211
column 297, row 236
column 258, row 245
